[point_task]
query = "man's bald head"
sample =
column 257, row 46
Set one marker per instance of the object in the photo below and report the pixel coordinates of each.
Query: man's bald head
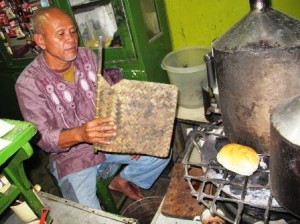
column 56, row 34
column 44, row 15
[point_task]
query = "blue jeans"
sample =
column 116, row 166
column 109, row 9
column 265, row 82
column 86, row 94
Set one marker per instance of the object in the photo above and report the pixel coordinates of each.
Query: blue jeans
column 81, row 186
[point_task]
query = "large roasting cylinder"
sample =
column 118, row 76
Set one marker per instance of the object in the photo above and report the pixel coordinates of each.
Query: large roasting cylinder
column 257, row 66
column 285, row 154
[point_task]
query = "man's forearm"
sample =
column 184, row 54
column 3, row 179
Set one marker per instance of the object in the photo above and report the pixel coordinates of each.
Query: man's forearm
column 69, row 137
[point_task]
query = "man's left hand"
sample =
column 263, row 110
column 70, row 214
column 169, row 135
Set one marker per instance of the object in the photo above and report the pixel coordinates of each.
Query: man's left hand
column 135, row 157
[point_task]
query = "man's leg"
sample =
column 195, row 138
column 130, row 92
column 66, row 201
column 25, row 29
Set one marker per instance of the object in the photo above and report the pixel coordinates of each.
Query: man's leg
column 80, row 186
column 142, row 172
column 122, row 185
column 145, row 171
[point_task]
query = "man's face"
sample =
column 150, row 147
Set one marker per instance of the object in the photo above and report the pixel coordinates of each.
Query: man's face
column 59, row 39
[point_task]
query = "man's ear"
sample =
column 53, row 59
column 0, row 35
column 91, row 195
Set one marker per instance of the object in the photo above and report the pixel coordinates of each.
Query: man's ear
column 39, row 40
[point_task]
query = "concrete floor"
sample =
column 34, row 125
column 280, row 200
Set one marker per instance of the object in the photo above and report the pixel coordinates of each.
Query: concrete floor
column 36, row 169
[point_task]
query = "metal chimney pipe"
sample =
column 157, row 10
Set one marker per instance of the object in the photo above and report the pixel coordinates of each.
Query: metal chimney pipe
column 259, row 5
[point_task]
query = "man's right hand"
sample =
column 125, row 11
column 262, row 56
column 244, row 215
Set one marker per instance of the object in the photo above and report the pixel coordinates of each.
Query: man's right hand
column 99, row 130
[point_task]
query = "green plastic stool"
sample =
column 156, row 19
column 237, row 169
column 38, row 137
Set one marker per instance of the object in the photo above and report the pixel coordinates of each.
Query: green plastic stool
column 104, row 193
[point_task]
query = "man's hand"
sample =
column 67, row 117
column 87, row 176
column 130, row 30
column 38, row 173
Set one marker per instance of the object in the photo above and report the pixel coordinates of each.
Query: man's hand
column 135, row 157
column 99, row 130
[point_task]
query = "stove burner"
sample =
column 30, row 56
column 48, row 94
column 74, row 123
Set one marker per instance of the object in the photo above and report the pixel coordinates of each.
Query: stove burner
column 252, row 215
column 242, row 199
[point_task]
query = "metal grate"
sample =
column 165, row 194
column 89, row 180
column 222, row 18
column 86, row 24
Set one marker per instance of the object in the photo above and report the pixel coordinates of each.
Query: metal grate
column 225, row 186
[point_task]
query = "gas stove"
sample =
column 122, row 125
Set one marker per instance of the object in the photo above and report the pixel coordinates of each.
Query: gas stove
column 233, row 197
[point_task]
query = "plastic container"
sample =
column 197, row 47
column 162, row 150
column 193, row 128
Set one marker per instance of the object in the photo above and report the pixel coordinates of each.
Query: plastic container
column 23, row 211
column 186, row 69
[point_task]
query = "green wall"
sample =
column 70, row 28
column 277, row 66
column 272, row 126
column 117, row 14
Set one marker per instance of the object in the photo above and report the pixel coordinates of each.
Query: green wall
column 198, row 22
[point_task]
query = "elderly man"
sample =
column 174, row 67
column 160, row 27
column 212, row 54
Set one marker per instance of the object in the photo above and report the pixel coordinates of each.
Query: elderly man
column 56, row 92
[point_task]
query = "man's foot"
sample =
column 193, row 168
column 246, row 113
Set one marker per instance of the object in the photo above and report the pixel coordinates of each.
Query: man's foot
column 137, row 190
column 130, row 190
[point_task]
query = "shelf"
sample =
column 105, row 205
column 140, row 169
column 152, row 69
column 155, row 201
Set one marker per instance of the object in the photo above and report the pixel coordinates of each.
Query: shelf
column 20, row 135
